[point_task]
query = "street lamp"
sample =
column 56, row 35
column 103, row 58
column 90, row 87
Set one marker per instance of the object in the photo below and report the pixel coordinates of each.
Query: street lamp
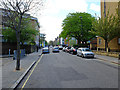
column 104, row 8
column 81, row 26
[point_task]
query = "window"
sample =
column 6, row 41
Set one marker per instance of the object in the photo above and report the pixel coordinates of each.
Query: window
column 99, row 41
column 80, row 50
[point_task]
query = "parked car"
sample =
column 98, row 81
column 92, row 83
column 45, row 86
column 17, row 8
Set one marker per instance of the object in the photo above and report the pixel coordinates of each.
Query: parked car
column 60, row 47
column 55, row 49
column 64, row 48
column 45, row 50
column 68, row 49
column 73, row 50
column 51, row 46
column 85, row 52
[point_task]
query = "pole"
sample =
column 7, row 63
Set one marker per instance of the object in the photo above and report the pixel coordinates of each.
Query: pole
column 9, row 52
column 81, row 28
column 104, row 8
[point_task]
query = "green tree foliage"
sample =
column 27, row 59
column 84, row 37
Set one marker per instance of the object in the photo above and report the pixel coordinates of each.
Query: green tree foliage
column 46, row 43
column 78, row 25
column 107, row 27
column 72, row 42
column 27, row 32
column 51, row 42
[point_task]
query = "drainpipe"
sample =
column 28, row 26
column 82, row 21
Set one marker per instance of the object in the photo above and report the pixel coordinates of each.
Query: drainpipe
column 104, row 8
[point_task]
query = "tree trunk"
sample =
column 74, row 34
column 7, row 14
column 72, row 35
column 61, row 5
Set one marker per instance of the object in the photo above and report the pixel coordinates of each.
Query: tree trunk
column 18, row 44
column 79, row 41
column 106, row 45
column 18, row 52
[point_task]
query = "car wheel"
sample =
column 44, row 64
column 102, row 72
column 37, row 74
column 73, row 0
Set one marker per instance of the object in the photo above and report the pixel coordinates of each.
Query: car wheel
column 82, row 56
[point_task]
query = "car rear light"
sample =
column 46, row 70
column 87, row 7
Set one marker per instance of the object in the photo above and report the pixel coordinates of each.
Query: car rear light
column 74, row 50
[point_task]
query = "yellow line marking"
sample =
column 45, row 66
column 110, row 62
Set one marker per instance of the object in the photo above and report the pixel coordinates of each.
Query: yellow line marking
column 31, row 72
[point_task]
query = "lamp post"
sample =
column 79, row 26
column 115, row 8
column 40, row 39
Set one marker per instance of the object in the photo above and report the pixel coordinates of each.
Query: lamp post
column 104, row 8
column 81, row 27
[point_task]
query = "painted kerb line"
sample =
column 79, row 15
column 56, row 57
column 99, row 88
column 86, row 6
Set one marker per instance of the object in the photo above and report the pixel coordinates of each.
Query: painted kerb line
column 31, row 72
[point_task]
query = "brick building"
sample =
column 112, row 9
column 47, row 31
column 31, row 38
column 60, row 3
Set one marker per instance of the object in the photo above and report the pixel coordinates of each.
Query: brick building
column 114, row 44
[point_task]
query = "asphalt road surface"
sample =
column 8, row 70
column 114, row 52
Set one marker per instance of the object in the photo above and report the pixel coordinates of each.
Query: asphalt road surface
column 63, row 70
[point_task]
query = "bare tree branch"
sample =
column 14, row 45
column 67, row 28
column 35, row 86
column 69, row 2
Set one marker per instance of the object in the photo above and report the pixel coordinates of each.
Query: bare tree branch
column 15, row 10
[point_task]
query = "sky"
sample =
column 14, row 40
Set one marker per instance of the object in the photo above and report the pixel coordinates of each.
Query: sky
column 55, row 11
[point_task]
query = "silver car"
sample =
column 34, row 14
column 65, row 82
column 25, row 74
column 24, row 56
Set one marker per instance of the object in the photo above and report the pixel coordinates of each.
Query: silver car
column 45, row 50
column 85, row 52
column 55, row 49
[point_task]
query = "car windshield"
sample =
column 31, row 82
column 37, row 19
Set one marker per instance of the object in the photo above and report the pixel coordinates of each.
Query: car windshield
column 45, row 48
column 86, row 49
column 56, row 48
column 69, row 47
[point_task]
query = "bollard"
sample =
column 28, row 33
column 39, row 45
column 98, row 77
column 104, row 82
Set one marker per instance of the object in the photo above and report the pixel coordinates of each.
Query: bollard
column 9, row 52
column 119, row 56
column 14, row 56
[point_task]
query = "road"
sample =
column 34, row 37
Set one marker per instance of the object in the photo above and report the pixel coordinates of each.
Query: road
column 63, row 70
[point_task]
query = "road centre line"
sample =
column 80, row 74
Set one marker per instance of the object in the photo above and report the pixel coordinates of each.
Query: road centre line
column 31, row 73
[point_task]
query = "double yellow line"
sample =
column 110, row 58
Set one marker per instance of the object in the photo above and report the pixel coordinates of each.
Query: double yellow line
column 31, row 72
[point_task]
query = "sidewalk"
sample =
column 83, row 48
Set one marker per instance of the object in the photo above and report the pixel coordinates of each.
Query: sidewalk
column 10, row 75
column 108, row 58
column 5, row 56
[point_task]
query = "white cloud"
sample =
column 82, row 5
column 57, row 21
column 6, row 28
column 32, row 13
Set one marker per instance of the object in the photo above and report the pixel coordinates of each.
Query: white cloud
column 95, row 7
column 55, row 6
column 51, row 26
column 52, row 15
column 76, row 5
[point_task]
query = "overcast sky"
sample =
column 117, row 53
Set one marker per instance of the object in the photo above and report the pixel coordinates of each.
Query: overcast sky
column 55, row 11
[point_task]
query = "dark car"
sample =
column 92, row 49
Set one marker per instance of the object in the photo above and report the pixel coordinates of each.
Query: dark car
column 73, row 50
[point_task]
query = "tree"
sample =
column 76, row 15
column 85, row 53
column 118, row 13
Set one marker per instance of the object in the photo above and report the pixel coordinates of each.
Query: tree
column 51, row 43
column 72, row 42
column 107, row 28
column 46, row 43
column 78, row 25
column 13, row 15
column 27, row 32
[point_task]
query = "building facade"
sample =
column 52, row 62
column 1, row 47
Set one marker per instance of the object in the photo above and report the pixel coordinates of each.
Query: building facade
column 114, row 44
column 36, row 25
column 9, row 45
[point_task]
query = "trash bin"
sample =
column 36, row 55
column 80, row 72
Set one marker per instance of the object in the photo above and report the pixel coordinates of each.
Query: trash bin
column 22, row 54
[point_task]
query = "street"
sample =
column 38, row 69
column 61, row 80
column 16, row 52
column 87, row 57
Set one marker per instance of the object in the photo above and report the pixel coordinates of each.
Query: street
column 63, row 70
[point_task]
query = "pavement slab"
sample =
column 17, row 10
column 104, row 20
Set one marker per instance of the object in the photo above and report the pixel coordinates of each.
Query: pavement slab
column 10, row 75
column 108, row 58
